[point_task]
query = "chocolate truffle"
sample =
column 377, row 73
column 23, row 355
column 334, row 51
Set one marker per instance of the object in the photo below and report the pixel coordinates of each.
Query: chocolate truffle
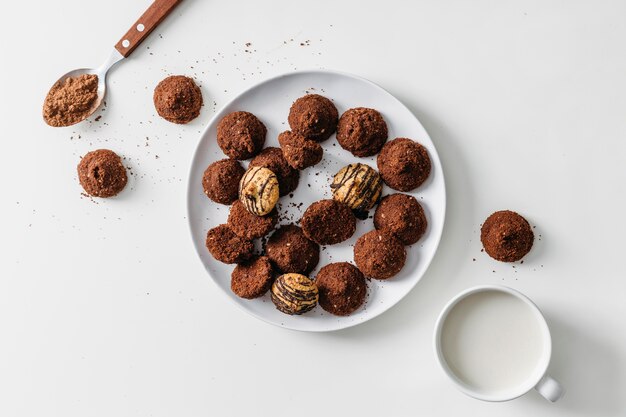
column 250, row 226
column 241, row 135
column 379, row 254
column 404, row 164
column 358, row 186
column 294, row 294
column 221, row 181
column 328, row 222
column 226, row 246
column 178, row 99
column 314, row 117
column 401, row 215
column 101, row 173
column 291, row 251
column 506, row 236
column 342, row 288
column 273, row 159
column 300, row 152
column 362, row 131
column 253, row 278
column 258, row 190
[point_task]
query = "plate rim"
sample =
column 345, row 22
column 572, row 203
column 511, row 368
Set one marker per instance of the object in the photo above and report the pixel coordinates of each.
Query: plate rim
column 195, row 155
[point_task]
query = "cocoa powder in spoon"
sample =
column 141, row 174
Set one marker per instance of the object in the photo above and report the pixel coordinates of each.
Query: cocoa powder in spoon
column 69, row 101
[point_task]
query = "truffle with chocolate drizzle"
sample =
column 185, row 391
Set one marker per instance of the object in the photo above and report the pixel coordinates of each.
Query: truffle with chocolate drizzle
column 359, row 186
column 258, row 190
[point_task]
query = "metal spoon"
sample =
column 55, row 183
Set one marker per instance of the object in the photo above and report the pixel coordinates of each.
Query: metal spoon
column 148, row 21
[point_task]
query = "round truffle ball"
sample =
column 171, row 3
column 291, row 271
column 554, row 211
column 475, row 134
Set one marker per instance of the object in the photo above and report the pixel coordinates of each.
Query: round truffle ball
column 401, row 215
column 342, row 288
column 328, row 222
column 273, row 159
column 506, row 236
column 253, row 278
column 178, row 99
column 101, row 173
column 294, row 294
column 358, row 186
column 379, row 254
column 300, row 152
column 226, row 246
column 250, row 226
column 258, row 190
column 221, row 181
column 404, row 164
column 362, row 131
column 314, row 117
column 291, row 251
column 241, row 135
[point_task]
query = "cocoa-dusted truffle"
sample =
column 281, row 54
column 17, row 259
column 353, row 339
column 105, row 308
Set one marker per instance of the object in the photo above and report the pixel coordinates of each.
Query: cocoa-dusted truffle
column 358, row 186
column 294, row 294
column 258, row 190
column 401, row 215
column 273, row 159
column 362, row 131
column 342, row 288
column 178, row 99
column 253, row 278
column 300, row 152
column 328, row 222
column 241, row 135
column 250, row 226
column 314, row 117
column 404, row 164
column 506, row 236
column 221, row 181
column 101, row 173
column 291, row 251
column 226, row 246
column 379, row 254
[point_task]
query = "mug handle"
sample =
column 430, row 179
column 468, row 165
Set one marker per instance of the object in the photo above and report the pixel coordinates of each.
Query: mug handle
column 550, row 388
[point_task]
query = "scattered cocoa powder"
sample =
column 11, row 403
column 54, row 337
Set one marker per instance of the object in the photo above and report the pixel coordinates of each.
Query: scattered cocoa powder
column 71, row 100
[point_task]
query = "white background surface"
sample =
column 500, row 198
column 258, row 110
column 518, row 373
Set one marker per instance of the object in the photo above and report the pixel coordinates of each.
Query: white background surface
column 106, row 310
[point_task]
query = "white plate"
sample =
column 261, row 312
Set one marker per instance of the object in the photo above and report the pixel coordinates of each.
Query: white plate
column 270, row 101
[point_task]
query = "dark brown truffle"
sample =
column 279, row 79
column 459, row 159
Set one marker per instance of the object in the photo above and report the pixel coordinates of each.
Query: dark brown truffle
column 401, row 215
column 178, row 99
column 328, row 222
column 362, row 131
column 379, row 254
column 506, row 236
column 342, row 288
column 404, row 164
column 273, row 159
column 300, row 152
column 226, row 246
column 250, row 226
column 314, row 117
column 221, row 180
column 291, row 251
column 101, row 173
column 253, row 278
column 241, row 135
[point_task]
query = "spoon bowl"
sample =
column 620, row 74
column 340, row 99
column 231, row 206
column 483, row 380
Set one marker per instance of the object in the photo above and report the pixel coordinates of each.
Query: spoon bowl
column 101, row 73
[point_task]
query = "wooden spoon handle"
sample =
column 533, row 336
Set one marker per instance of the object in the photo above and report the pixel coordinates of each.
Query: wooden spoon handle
column 144, row 25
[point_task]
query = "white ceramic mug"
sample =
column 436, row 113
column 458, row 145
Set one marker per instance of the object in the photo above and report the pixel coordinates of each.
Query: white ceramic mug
column 495, row 345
